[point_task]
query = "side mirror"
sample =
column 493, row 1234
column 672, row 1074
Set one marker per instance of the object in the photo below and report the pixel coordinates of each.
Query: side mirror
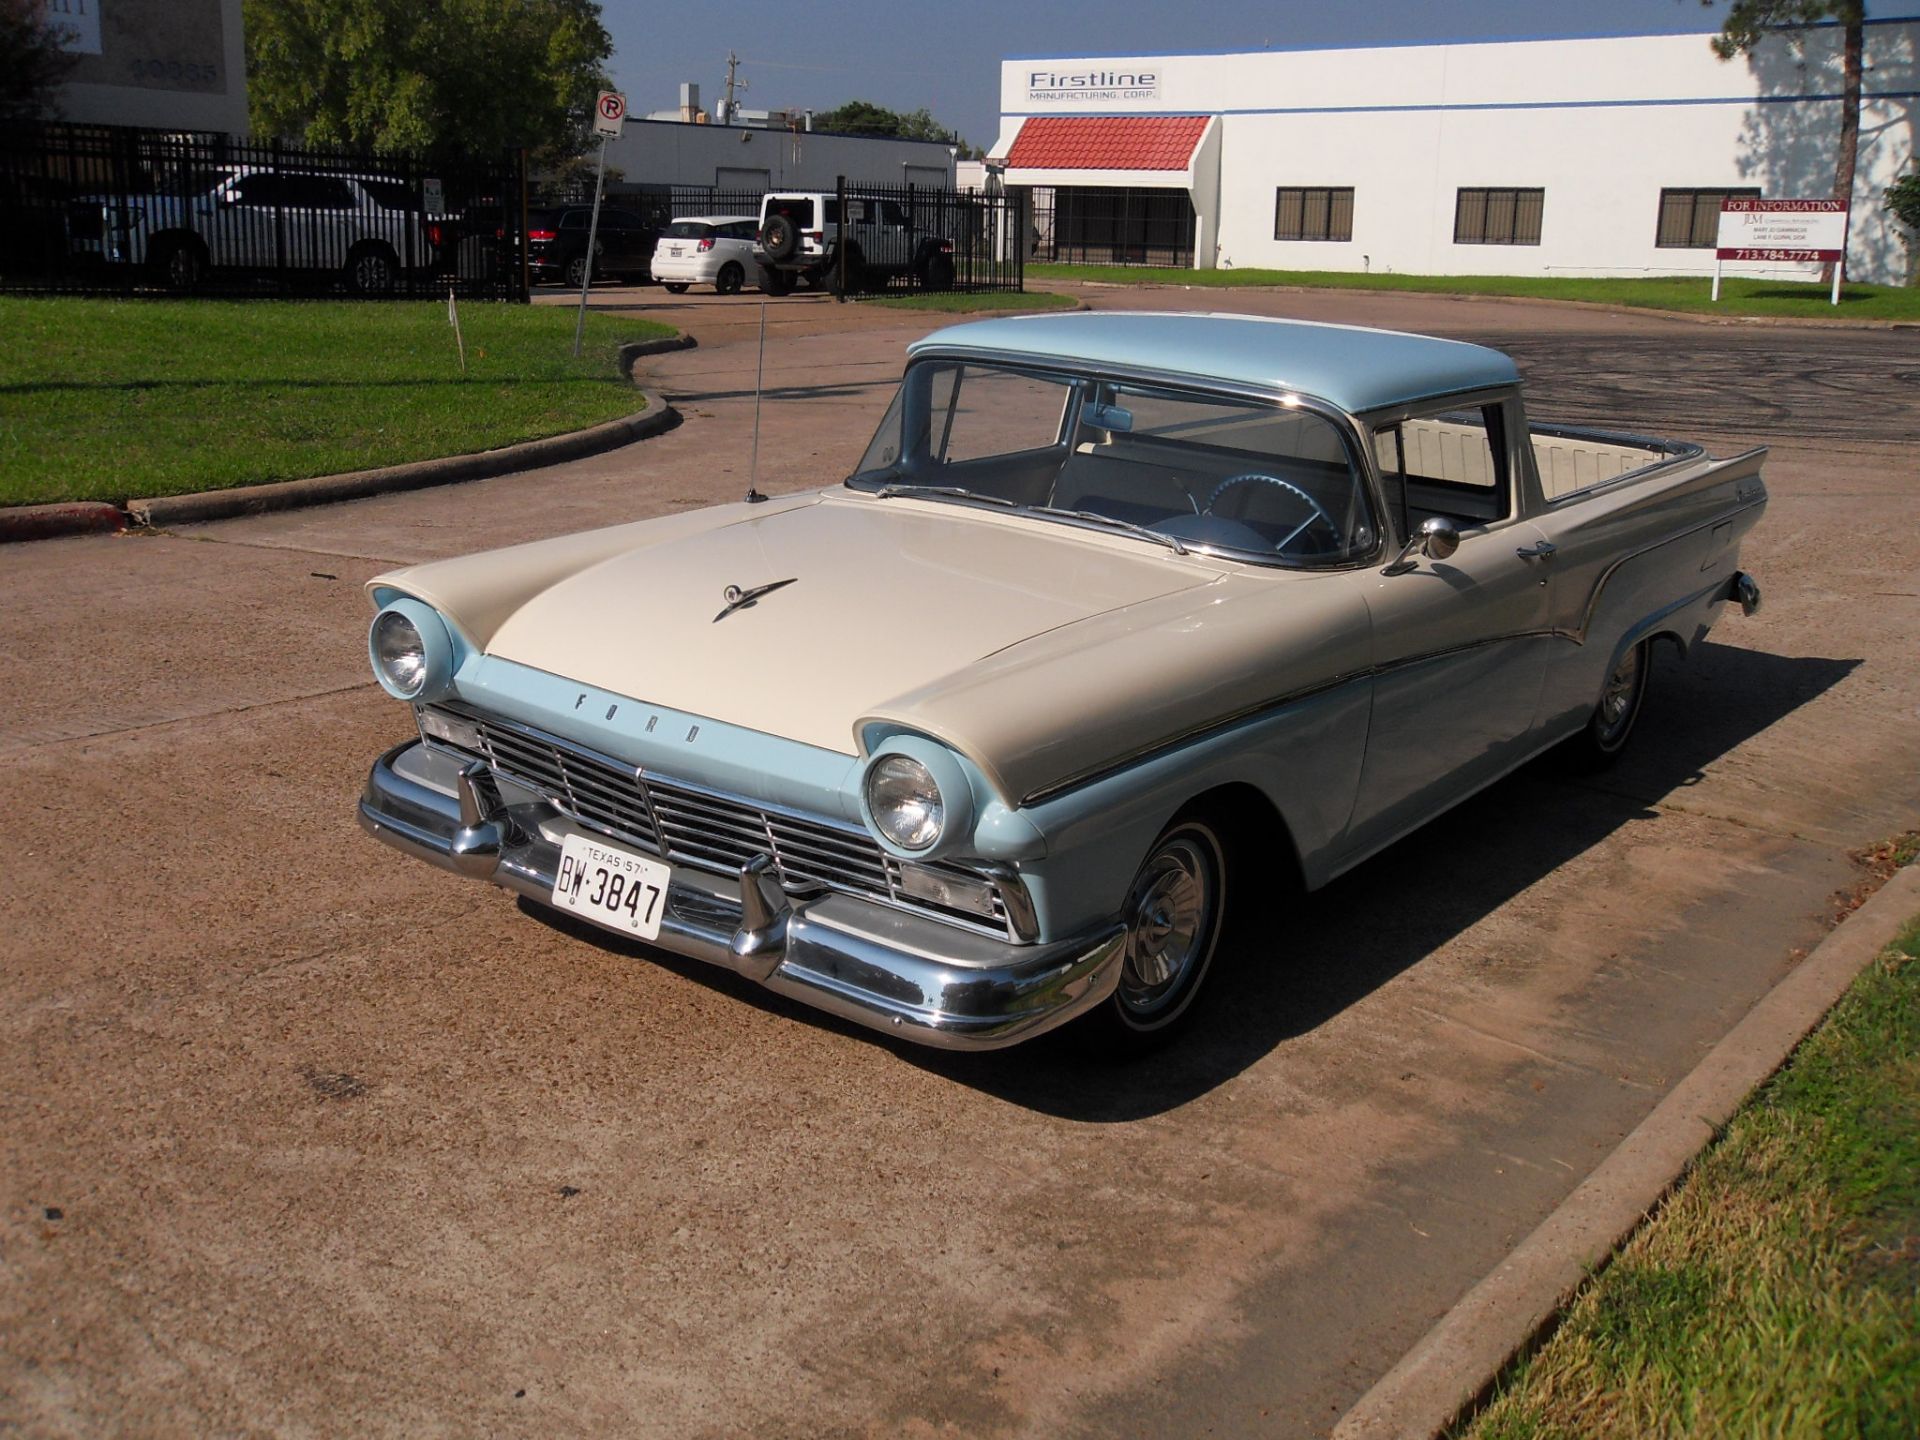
column 1439, row 537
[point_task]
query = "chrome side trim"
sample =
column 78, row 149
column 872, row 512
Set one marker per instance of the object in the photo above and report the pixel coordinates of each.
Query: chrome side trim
column 1252, row 712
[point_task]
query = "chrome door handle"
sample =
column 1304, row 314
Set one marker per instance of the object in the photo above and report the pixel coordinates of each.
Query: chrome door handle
column 1543, row 551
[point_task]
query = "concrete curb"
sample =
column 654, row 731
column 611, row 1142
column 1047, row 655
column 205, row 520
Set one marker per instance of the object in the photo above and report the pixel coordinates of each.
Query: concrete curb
column 1453, row 1366
column 636, row 350
column 357, row 484
column 49, row 522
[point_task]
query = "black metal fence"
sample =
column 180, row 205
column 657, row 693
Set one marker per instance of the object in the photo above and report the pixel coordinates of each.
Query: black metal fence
column 1112, row 225
column 89, row 209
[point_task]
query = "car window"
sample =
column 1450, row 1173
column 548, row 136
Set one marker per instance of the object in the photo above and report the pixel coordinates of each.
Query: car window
column 799, row 211
column 393, row 194
column 1274, row 482
column 892, row 212
column 316, row 192
column 574, row 220
column 739, row 230
column 257, row 190
column 1451, row 462
column 622, row 219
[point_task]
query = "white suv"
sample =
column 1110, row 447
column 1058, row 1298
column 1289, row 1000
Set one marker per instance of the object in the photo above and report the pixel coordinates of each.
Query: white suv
column 801, row 234
column 714, row 250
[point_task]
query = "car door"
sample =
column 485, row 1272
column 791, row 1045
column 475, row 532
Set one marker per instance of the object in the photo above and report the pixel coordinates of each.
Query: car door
column 246, row 229
column 1460, row 644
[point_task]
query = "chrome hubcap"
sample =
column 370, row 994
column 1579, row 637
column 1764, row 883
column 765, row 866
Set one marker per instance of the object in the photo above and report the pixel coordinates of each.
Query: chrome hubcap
column 1169, row 917
column 1616, row 704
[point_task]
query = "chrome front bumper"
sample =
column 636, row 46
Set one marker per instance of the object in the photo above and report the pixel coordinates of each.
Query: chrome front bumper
column 900, row 973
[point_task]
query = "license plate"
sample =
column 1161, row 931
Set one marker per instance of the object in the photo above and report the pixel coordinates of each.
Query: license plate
column 674, row 251
column 611, row 887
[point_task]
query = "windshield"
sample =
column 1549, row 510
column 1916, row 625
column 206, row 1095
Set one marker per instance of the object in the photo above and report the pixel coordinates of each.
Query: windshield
column 689, row 230
column 1266, row 481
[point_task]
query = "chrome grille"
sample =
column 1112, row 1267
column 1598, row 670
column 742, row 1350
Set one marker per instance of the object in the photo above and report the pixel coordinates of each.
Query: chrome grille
column 702, row 828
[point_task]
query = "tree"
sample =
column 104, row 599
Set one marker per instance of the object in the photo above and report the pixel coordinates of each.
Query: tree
column 470, row 76
column 1903, row 200
column 32, row 62
column 1748, row 23
column 863, row 117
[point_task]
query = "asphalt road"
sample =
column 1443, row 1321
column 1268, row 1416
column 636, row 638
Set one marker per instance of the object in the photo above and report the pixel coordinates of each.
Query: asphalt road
column 297, row 1136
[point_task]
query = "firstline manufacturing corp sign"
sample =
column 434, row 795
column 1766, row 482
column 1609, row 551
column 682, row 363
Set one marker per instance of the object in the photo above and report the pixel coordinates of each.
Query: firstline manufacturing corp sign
column 1091, row 86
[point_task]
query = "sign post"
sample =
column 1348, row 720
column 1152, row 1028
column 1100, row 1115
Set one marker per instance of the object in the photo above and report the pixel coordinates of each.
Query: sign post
column 609, row 114
column 1809, row 231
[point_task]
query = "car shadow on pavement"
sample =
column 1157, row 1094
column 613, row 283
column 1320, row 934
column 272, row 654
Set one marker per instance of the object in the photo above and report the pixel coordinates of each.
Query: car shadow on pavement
column 1283, row 977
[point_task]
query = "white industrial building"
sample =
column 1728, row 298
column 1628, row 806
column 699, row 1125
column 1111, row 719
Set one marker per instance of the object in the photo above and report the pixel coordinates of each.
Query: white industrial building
column 1588, row 156
column 749, row 159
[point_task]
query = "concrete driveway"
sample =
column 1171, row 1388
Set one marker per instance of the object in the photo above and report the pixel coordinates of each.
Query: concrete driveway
column 298, row 1136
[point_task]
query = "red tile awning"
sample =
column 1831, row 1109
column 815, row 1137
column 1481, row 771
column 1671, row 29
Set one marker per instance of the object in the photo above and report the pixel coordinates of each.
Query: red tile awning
column 1107, row 142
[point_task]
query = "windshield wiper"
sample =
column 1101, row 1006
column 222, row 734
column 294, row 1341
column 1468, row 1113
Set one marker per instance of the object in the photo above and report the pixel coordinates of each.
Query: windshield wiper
column 940, row 492
column 1113, row 522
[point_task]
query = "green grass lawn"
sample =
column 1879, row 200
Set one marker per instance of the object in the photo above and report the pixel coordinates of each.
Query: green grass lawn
column 1778, row 1292
column 117, row 399
column 957, row 304
column 1737, row 297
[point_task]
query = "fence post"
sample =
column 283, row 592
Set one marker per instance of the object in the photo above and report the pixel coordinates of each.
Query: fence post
column 840, row 237
column 526, row 261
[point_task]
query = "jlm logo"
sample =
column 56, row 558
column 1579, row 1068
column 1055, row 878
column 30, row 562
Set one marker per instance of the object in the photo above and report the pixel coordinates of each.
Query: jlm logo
column 1093, row 85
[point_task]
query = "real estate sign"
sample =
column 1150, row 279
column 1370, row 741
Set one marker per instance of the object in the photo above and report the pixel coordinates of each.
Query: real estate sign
column 1810, row 230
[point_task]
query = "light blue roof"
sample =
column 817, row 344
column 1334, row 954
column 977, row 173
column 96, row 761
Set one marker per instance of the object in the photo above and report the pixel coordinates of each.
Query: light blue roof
column 1354, row 368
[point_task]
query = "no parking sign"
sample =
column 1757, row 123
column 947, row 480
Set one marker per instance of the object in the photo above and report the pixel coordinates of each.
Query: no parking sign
column 609, row 112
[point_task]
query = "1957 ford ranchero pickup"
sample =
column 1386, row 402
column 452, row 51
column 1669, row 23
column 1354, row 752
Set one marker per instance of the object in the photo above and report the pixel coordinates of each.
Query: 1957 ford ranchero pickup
column 1123, row 623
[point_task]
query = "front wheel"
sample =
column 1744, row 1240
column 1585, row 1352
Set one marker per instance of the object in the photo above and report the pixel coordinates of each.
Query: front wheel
column 1174, row 912
column 1611, row 724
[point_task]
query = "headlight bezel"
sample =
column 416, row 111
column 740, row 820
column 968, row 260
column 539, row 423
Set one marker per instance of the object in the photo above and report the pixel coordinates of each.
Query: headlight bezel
column 949, row 781
column 436, row 651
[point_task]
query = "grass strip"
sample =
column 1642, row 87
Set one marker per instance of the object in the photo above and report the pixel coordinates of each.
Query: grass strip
column 119, row 399
column 1777, row 1293
column 1777, row 298
column 951, row 303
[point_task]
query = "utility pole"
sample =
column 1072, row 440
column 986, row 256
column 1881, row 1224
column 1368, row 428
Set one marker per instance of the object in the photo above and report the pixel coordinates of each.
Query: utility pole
column 728, row 110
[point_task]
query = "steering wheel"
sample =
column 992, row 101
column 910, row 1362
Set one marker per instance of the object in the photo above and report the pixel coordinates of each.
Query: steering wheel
column 1254, row 477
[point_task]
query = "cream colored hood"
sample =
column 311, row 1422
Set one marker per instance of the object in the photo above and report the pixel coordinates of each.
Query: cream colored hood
column 888, row 598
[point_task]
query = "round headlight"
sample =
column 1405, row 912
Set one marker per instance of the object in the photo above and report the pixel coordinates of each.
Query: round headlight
column 399, row 654
column 905, row 802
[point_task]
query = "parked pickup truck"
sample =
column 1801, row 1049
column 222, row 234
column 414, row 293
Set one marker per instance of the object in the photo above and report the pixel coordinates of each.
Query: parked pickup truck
column 1124, row 628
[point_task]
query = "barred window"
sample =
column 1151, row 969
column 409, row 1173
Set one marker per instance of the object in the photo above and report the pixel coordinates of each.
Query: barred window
column 1313, row 213
column 1498, row 217
column 1690, row 219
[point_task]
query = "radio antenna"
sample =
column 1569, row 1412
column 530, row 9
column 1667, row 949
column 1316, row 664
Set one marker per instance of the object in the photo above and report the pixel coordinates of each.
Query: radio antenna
column 754, row 497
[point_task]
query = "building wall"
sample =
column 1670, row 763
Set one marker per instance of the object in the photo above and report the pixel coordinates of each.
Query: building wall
column 1602, row 125
column 173, row 64
column 653, row 152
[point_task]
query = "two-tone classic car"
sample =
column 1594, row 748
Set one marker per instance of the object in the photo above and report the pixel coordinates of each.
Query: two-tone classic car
column 1122, row 624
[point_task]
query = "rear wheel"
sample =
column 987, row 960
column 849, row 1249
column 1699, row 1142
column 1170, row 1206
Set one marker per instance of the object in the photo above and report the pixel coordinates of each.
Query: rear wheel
column 776, row 282
column 1612, row 722
column 372, row 269
column 940, row 272
column 730, row 279
column 1174, row 913
column 673, row 287
column 181, row 266
column 576, row 272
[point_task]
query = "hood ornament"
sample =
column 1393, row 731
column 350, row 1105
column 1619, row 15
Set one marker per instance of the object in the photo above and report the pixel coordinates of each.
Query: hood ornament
column 738, row 599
